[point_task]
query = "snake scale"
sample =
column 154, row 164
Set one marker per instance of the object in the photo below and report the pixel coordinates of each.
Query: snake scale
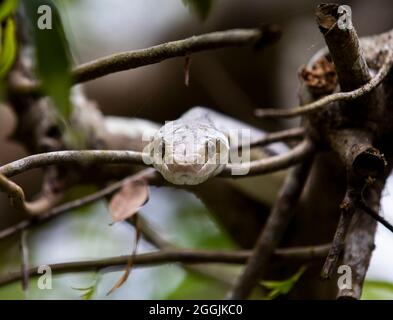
column 197, row 146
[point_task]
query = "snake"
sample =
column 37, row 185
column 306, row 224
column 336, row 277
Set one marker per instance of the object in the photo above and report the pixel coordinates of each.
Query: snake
column 199, row 144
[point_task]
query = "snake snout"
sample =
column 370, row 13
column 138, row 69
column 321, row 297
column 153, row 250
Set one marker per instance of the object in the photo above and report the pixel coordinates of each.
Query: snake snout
column 185, row 168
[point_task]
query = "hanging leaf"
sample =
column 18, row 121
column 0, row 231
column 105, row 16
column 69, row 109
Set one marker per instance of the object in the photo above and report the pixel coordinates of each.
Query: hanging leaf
column 282, row 287
column 131, row 197
column 8, row 49
column 201, row 7
column 130, row 261
column 7, row 7
column 53, row 56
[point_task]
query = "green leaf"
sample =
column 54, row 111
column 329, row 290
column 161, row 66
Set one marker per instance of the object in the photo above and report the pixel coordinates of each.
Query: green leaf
column 53, row 56
column 201, row 7
column 282, row 287
column 7, row 7
column 89, row 291
column 377, row 290
column 9, row 48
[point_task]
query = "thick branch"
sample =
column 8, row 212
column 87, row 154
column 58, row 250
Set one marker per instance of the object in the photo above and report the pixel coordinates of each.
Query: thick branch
column 356, row 151
column 344, row 48
column 134, row 59
column 348, row 208
column 173, row 256
column 273, row 232
column 359, row 243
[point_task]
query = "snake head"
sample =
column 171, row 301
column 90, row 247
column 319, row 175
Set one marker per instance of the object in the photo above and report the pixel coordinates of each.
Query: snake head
column 189, row 153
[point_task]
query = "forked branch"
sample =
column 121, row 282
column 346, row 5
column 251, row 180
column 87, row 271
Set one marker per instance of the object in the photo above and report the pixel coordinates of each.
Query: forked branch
column 335, row 97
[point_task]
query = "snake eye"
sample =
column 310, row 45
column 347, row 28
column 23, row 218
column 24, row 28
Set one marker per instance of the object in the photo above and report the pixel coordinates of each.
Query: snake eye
column 161, row 149
column 218, row 146
column 210, row 149
column 218, row 150
column 206, row 151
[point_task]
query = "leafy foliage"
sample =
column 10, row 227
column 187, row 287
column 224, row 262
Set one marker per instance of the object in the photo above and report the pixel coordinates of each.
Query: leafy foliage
column 7, row 8
column 201, row 7
column 282, row 287
column 9, row 47
column 8, row 43
column 88, row 292
column 53, row 56
column 377, row 290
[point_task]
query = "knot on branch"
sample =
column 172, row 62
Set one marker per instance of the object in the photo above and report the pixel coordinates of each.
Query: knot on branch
column 321, row 77
column 355, row 149
column 369, row 162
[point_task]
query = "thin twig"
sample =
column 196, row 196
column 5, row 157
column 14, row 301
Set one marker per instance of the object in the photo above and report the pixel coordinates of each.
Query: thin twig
column 151, row 235
column 80, row 157
column 134, row 59
column 18, row 199
column 89, row 157
column 271, row 235
column 374, row 214
column 45, row 216
column 24, row 254
column 130, row 261
column 173, row 256
column 267, row 165
column 293, row 133
column 335, row 97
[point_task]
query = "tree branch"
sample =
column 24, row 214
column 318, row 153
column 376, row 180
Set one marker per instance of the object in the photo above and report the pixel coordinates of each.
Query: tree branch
column 173, row 256
column 293, row 133
column 46, row 215
column 134, row 59
column 335, row 97
column 344, row 48
column 24, row 257
column 273, row 231
column 89, row 157
column 375, row 215
column 302, row 151
column 356, row 151
column 18, row 199
column 82, row 157
column 348, row 208
column 359, row 243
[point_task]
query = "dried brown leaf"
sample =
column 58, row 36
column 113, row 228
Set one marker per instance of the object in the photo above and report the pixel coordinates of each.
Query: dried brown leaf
column 130, row 261
column 130, row 198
